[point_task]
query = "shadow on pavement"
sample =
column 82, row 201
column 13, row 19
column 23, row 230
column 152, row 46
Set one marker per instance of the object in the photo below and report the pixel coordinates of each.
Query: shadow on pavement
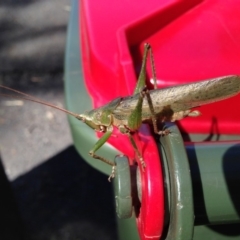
column 64, row 198
column 11, row 225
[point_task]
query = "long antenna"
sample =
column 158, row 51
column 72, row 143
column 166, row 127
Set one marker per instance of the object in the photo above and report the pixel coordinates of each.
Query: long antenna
column 33, row 99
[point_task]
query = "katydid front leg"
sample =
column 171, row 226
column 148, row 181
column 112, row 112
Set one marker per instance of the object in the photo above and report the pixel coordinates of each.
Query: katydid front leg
column 101, row 120
column 97, row 145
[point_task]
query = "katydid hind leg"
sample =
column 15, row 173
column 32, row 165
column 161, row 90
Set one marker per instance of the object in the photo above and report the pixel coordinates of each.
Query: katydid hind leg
column 135, row 118
column 154, row 75
column 153, row 116
column 141, row 83
column 141, row 87
column 142, row 78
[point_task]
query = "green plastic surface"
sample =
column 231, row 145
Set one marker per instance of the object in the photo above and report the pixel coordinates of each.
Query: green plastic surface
column 78, row 100
column 181, row 219
column 215, row 177
column 215, row 170
column 122, row 187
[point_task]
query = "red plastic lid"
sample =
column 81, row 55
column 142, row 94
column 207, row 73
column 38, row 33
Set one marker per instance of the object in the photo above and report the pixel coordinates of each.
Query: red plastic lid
column 191, row 41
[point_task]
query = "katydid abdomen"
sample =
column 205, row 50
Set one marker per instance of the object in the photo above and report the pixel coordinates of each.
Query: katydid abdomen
column 174, row 103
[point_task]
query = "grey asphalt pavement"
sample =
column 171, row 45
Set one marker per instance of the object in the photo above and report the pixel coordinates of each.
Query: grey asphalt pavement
column 54, row 195
column 32, row 43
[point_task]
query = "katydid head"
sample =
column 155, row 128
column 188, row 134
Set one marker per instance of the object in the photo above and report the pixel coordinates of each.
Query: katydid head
column 89, row 120
column 98, row 119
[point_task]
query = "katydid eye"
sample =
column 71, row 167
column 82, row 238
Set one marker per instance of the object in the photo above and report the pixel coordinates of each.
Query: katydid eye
column 98, row 116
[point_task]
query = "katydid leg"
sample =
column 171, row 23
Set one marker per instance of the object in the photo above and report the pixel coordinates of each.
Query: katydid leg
column 134, row 123
column 136, row 150
column 135, row 118
column 153, row 115
column 141, row 83
column 98, row 144
column 141, row 86
column 153, row 67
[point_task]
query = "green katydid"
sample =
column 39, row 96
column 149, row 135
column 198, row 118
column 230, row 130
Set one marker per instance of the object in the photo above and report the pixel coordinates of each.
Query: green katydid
column 149, row 106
